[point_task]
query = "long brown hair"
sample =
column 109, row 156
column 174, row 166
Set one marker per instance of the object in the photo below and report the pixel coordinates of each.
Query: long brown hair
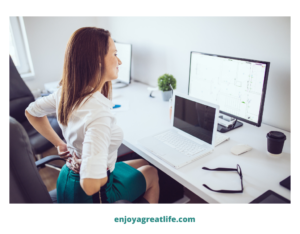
column 81, row 77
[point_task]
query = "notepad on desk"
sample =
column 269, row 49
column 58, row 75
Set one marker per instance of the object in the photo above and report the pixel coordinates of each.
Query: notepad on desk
column 220, row 138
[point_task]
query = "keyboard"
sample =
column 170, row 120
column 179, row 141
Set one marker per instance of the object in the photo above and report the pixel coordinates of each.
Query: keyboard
column 180, row 143
column 184, row 145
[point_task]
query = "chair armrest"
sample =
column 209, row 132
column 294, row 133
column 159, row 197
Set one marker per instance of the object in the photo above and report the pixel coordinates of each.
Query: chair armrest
column 48, row 159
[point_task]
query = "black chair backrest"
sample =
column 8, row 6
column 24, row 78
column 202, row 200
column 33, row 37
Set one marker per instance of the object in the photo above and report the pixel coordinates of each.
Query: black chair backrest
column 19, row 94
column 26, row 185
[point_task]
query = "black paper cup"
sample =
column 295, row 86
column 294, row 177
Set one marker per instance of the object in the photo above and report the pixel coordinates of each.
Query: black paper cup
column 275, row 142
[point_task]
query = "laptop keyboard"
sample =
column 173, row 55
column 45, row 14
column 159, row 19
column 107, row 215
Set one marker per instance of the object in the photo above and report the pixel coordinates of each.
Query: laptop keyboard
column 180, row 143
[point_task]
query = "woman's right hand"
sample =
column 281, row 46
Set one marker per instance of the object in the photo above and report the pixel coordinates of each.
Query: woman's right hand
column 73, row 160
column 75, row 163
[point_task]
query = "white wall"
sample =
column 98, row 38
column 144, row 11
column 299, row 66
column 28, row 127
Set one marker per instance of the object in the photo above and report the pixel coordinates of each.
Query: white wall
column 163, row 44
column 47, row 38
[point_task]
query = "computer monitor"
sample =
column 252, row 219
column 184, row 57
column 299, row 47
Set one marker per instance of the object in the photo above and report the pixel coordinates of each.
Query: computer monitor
column 237, row 85
column 124, row 54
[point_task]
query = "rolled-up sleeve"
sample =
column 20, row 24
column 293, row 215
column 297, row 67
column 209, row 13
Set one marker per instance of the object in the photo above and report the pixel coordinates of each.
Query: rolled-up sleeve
column 43, row 106
column 95, row 149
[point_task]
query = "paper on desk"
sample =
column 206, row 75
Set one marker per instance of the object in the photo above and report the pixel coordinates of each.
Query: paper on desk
column 124, row 105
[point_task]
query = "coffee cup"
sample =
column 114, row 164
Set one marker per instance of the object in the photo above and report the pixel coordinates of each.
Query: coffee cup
column 275, row 142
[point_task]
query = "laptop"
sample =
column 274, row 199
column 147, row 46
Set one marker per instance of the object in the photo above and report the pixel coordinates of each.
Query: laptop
column 191, row 135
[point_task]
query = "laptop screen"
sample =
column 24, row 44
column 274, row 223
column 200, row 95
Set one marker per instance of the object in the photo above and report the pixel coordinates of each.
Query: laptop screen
column 194, row 118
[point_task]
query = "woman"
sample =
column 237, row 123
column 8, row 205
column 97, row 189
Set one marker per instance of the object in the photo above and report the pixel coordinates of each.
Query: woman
column 83, row 105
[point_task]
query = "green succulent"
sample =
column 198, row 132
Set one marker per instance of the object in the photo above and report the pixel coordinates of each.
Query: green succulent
column 164, row 82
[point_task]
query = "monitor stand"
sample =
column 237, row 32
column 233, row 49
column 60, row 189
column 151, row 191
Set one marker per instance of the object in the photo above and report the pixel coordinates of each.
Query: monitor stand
column 119, row 85
column 224, row 129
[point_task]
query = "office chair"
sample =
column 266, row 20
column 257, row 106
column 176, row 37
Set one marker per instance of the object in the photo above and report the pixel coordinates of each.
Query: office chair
column 26, row 185
column 25, row 182
column 20, row 97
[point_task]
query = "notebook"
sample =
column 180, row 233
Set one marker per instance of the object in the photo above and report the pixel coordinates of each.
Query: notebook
column 191, row 135
column 286, row 183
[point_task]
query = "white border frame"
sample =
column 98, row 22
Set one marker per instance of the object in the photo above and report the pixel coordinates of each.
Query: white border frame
column 176, row 93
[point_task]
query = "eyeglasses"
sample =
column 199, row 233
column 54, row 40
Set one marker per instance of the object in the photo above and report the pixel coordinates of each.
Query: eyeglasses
column 239, row 171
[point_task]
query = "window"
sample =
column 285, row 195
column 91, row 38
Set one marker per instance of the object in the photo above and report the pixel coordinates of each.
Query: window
column 18, row 47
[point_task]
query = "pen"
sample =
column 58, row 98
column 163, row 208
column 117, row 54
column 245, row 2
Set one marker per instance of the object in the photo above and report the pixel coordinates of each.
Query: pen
column 116, row 106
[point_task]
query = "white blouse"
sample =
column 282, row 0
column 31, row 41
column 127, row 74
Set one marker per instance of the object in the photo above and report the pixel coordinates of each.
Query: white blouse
column 91, row 133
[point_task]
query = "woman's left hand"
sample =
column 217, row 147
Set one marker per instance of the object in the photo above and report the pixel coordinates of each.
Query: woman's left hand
column 63, row 151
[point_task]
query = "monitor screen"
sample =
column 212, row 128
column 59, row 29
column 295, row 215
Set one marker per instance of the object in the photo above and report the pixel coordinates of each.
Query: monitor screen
column 124, row 54
column 194, row 118
column 237, row 85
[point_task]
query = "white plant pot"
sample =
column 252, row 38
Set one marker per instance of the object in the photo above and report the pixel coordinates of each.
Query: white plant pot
column 166, row 95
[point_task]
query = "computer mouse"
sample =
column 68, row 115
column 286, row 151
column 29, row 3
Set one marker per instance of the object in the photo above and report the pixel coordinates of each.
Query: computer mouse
column 240, row 149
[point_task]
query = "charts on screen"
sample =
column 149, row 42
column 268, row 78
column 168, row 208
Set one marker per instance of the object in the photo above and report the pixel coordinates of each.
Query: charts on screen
column 235, row 85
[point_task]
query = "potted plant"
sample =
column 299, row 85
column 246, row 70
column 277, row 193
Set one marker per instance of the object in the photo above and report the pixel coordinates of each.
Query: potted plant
column 164, row 82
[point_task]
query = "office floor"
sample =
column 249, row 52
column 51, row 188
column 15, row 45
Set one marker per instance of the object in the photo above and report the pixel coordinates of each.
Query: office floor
column 49, row 176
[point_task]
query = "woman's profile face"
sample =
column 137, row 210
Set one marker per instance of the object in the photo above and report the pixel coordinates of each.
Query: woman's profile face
column 112, row 62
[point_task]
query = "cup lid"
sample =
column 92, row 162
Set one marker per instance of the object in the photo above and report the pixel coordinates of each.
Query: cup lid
column 276, row 135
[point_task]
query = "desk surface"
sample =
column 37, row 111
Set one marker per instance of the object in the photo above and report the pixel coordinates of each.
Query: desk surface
column 147, row 116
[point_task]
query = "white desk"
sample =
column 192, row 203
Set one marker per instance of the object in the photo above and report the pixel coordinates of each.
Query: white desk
column 147, row 116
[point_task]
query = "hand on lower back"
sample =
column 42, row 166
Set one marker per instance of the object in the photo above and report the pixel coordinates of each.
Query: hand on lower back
column 63, row 151
column 75, row 163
